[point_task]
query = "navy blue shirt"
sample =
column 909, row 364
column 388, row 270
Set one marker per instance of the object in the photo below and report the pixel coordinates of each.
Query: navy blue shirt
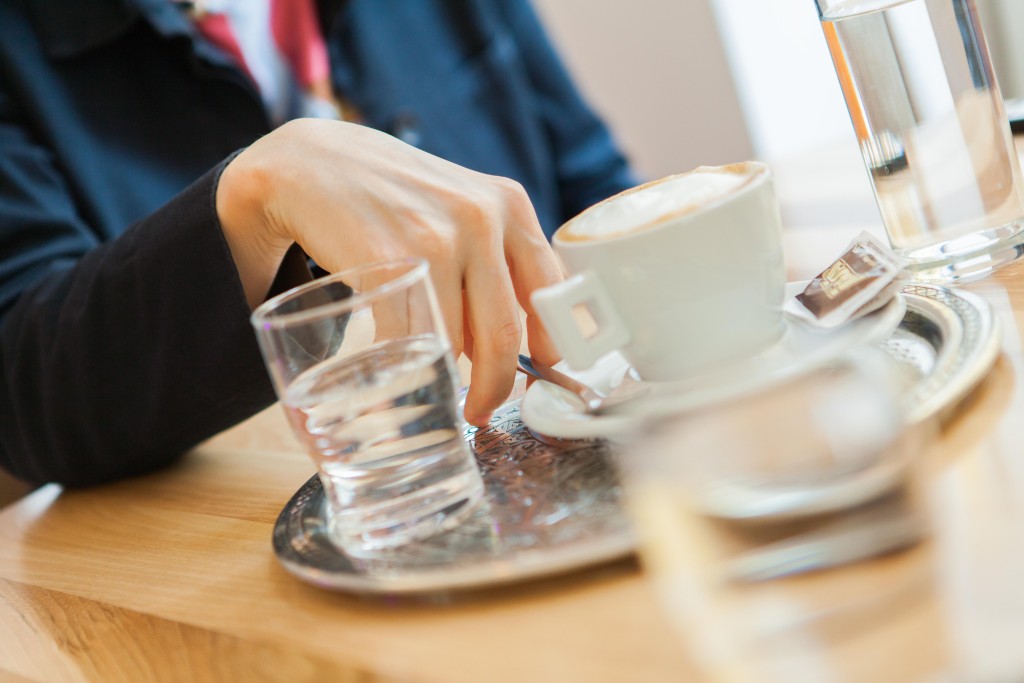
column 124, row 334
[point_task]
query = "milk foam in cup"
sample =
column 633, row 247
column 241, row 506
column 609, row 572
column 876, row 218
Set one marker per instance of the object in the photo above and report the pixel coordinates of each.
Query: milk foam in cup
column 678, row 274
column 649, row 205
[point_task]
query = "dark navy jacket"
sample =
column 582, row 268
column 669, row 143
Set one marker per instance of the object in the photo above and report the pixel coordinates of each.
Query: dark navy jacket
column 124, row 336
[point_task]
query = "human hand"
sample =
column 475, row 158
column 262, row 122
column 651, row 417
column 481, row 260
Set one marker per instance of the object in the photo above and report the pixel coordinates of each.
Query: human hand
column 351, row 195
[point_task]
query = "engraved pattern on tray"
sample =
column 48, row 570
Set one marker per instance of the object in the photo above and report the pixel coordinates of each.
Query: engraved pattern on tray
column 550, row 506
column 947, row 342
column 553, row 506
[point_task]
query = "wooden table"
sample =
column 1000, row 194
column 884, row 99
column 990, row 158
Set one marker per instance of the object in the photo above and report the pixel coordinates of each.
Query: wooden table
column 171, row 576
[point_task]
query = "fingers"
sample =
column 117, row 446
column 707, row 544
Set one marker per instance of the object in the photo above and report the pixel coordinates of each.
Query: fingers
column 496, row 284
column 447, row 282
column 532, row 265
column 467, row 341
column 332, row 181
column 495, row 328
column 393, row 317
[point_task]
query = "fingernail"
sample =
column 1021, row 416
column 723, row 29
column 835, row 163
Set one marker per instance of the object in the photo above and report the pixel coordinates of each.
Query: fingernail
column 481, row 420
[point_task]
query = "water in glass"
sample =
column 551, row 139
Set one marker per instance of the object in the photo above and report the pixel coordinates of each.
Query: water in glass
column 930, row 122
column 383, row 425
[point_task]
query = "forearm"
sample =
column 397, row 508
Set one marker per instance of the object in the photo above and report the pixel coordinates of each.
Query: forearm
column 136, row 353
column 256, row 251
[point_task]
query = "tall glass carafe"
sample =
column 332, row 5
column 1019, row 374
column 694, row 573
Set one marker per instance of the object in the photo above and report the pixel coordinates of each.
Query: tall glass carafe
column 932, row 129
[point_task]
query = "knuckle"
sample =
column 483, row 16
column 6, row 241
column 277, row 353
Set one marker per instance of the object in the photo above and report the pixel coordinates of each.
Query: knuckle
column 438, row 246
column 518, row 209
column 504, row 340
column 512, row 190
column 515, row 197
column 479, row 216
column 487, row 210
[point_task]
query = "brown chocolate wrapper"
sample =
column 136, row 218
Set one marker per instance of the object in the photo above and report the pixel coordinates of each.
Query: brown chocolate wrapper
column 863, row 279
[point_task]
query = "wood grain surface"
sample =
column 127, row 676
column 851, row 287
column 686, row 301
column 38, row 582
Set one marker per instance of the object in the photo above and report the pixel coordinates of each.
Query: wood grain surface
column 171, row 577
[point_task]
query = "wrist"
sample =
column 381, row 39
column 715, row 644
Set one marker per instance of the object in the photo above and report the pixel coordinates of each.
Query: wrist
column 256, row 247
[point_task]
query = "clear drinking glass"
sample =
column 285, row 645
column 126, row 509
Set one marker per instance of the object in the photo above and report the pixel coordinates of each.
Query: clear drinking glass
column 363, row 367
column 763, row 521
column 933, row 131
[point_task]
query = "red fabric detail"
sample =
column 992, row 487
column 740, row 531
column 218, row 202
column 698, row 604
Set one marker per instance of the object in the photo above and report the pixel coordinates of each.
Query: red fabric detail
column 296, row 31
column 218, row 31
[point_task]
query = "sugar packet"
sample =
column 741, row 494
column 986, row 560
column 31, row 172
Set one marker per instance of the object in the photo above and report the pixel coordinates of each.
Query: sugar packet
column 865, row 278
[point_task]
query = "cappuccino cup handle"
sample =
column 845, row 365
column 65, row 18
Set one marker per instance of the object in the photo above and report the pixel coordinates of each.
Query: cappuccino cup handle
column 555, row 305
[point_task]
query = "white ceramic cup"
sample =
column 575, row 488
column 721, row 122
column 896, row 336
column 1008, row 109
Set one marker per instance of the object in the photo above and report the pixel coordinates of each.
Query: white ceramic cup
column 679, row 274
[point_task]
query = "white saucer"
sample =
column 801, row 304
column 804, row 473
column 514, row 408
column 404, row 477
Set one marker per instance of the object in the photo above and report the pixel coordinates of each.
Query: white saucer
column 550, row 410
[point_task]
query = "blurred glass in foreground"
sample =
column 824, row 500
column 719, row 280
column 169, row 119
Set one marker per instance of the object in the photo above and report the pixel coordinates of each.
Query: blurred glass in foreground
column 782, row 530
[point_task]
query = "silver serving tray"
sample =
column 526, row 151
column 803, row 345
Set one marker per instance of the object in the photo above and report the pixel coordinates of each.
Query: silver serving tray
column 946, row 344
column 550, row 506
column 553, row 506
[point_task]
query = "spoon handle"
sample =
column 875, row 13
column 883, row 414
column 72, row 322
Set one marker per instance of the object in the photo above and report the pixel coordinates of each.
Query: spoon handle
column 590, row 397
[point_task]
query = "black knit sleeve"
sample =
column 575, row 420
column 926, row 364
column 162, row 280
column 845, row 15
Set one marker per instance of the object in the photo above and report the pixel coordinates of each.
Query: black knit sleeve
column 116, row 358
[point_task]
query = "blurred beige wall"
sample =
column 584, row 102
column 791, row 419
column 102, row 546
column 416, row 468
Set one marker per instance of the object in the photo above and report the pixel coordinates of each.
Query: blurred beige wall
column 1003, row 21
column 656, row 71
